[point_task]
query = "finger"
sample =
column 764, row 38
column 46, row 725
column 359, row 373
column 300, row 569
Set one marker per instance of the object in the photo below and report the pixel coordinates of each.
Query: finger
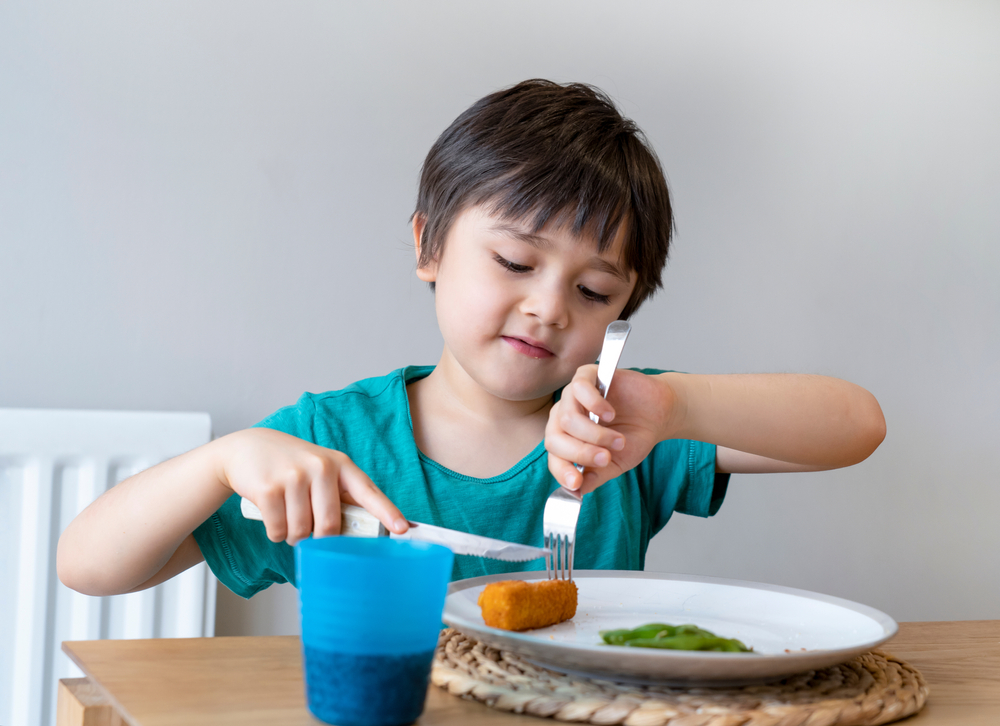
column 583, row 380
column 572, row 449
column 586, row 373
column 585, row 393
column 362, row 491
column 298, row 509
column 580, row 426
column 564, row 472
column 571, row 478
column 325, row 496
column 593, row 479
column 271, row 503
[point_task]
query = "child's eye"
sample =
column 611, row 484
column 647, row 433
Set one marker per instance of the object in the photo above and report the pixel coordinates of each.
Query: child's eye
column 512, row 266
column 594, row 296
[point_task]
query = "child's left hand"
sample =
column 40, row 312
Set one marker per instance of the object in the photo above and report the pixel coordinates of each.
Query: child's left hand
column 634, row 418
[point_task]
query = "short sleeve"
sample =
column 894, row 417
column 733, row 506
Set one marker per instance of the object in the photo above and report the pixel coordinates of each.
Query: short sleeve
column 298, row 420
column 237, row 549
column 679, row 476
column 705, row 488
column 240, row 554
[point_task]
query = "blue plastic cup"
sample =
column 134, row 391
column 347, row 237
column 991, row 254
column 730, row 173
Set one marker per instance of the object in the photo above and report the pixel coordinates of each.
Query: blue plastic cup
column 371, row 614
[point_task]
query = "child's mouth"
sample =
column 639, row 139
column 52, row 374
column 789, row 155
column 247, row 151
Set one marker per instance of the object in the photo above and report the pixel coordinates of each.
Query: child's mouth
column 532, row 351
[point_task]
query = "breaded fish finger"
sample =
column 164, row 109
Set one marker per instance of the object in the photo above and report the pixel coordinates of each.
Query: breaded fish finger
column 520, row 605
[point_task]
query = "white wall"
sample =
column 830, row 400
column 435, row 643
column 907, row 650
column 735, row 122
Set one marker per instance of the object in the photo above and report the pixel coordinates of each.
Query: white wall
column 203, row 206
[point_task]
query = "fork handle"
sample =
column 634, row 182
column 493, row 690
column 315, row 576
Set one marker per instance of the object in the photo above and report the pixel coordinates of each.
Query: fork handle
column 614, row 342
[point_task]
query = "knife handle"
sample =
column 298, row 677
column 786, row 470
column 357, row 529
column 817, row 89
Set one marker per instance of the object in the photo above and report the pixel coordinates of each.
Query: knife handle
column 354, row 521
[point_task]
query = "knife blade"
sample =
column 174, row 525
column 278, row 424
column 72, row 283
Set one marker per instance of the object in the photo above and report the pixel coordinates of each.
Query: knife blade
column 358, row 522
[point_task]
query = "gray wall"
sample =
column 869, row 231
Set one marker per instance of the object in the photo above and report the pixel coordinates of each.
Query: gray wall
column 203, row 206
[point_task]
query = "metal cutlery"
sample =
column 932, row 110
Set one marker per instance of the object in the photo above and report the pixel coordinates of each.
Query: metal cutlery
column 562, row 508
column 357, row 522
column 614, row 342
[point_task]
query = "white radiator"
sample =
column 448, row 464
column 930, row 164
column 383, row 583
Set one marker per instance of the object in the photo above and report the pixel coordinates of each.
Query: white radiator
column 52, row 465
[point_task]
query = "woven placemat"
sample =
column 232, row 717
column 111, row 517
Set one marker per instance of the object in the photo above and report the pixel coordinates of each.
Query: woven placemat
column 874, row 688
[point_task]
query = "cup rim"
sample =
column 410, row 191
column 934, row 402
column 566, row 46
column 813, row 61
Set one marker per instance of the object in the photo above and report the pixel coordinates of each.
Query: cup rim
column 373, row 548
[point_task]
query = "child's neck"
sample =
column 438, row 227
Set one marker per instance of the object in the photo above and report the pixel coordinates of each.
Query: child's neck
column 469, row 430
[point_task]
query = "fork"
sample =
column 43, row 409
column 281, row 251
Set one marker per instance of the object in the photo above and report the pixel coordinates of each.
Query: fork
column 562, row 508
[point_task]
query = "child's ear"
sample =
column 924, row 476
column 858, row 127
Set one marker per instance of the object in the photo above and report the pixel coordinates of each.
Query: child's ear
column 427, row 272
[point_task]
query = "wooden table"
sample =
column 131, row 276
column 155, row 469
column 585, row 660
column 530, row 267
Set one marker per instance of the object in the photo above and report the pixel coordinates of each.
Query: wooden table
column 258, row 680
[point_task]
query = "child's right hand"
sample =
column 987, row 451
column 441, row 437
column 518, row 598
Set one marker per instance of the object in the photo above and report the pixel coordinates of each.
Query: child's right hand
column 298, row 486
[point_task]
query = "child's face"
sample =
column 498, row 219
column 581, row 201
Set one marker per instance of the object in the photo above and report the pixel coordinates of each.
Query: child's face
column 520, row 312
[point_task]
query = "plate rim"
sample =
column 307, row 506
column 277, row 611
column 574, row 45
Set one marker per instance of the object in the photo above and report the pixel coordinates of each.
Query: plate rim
column 889, row 624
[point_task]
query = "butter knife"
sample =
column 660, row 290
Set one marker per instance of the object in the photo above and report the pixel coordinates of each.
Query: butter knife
column 358, row 522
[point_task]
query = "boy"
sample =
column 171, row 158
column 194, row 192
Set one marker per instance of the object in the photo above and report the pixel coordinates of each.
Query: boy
column 541, row 217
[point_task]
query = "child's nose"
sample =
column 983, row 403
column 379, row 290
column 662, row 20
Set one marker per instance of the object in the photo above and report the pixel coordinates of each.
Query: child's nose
column 548, row 304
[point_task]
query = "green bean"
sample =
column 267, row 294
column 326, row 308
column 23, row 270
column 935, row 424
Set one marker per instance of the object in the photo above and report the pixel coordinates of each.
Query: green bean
column 693, row 630
column 689, row 642
column 673, row 637
column 615, row 637
column 652, row 630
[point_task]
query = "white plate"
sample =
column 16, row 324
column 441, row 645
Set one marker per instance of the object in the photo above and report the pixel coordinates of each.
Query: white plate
column 789, row 630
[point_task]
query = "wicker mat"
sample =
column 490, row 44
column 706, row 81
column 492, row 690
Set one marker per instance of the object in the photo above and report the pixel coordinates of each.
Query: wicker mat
column 874, row 688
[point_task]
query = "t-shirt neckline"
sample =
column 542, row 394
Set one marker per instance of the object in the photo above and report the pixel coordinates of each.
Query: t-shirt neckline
column 415, row 373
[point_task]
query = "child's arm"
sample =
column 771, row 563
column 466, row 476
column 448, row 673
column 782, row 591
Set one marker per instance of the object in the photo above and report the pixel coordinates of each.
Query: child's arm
column 139, row 533
column 760, row 422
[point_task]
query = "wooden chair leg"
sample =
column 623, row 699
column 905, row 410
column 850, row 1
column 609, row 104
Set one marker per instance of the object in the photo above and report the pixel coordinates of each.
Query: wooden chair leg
column 81, row 704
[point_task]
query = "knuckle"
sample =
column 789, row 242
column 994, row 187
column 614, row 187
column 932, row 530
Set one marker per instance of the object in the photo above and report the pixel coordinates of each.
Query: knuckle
column 272, row 492
column 327, row 526
column 565, row 418
column 323, row 521
column 326, row 468
column 291, row 476
column 298, row 485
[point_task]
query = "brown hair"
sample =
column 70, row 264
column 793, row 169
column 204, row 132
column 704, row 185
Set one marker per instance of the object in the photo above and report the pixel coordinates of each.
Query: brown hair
column 545, row 152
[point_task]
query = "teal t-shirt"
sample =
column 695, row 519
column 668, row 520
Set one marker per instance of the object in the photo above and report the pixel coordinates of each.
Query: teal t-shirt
column 370, row 422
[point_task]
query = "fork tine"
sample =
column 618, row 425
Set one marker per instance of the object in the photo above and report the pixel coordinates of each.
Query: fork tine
column 562, row 557
column 562, row 553
column 559, row 533
column 572, row 548
column 563, row 561
column 559, row 560
column 554, row 543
